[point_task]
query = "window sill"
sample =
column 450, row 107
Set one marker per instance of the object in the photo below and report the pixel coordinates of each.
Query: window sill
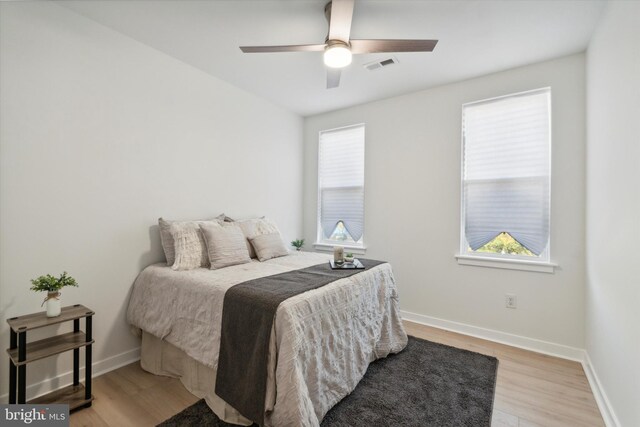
column 509, row 264
column 328, row 247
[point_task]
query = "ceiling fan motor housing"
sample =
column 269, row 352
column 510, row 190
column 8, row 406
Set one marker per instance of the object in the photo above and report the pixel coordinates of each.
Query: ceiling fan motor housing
column 337, row 54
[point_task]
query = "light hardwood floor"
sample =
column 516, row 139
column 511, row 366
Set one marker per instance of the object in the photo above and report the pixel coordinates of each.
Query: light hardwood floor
column 532, row 390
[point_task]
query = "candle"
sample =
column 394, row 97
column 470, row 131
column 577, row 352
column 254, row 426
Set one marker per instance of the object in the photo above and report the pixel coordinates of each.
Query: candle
column 338, row 255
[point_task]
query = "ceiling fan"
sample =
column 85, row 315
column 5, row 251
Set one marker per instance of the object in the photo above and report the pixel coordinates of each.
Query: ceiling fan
column 338, row 47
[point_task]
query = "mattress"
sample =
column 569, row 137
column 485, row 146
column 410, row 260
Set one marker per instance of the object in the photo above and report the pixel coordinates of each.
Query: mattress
column 322, row 341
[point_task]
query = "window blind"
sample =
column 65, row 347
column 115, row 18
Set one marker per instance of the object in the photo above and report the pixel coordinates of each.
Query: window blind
column 506, row 170
column 341, row 180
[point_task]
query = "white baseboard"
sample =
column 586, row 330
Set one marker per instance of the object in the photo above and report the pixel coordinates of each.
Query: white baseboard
column 100, row 367
column 604, row 405
column 532, row 344
column 558, row 350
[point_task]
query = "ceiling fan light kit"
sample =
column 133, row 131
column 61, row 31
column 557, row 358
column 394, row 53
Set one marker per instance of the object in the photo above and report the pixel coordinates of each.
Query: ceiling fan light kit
column 337, row 54
column 339, row 48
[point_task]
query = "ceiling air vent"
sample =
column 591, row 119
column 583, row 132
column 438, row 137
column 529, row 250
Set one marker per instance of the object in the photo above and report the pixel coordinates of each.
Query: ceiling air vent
column 376, row 65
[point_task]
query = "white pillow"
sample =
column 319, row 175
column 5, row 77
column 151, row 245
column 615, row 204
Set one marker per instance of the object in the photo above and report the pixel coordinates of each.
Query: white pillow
column 269, row 246
column 189, row 246
column 168, row 244
column 226, row 245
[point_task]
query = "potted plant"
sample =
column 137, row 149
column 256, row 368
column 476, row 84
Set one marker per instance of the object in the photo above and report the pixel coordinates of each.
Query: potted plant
column 52, row 286
column 298, row 244
column 348, row 257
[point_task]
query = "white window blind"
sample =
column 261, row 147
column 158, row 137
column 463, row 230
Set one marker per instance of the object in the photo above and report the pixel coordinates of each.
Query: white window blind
column 341, row 181
column 506, row 170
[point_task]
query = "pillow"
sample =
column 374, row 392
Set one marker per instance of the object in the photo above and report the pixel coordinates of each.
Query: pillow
column 254, row 227
column 168, row 245
column 269, row 246
column 189, row 246
column 248, row 227
column 226, row 245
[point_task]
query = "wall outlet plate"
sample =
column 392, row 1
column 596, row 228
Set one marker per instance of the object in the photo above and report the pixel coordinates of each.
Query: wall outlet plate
column 511, row 301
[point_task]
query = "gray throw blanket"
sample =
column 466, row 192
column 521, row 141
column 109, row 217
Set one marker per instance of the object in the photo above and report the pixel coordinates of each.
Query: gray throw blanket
column 247, row 318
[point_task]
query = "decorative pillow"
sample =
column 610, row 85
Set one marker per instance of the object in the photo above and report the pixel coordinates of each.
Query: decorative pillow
column 189, row 246
column 226, row 245
column 248, row 227
column 254, row 227
column 269, row 246
column 168, row 245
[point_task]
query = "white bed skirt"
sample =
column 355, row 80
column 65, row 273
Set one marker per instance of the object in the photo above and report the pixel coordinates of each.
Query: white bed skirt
column 321, row 344
column 162, row 358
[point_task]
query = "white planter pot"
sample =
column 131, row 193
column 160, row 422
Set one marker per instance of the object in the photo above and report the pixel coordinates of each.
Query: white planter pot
column 53, row 304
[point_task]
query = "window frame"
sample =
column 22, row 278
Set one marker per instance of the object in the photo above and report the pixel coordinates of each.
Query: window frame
column 465, row 256
column 325, row 244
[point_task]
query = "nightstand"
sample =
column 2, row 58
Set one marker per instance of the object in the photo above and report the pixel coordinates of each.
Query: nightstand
column 22, row 353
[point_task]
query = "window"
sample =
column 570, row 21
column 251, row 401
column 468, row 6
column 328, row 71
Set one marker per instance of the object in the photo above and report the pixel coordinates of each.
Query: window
column 341, row 187
column 506, row 177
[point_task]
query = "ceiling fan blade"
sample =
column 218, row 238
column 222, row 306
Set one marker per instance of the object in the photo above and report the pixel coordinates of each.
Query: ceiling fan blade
column 340, row 23
column 333, row 77
column 286, row 48
column 374, row 46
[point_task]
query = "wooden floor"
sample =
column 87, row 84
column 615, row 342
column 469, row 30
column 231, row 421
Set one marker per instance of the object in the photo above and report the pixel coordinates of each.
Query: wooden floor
column 532, row 390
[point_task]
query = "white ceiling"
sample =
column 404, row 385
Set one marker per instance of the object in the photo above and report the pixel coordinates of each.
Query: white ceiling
column 476, row 37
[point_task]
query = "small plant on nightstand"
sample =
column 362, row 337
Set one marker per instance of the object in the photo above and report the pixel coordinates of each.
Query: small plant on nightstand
column 298, row 244
column 52, row 286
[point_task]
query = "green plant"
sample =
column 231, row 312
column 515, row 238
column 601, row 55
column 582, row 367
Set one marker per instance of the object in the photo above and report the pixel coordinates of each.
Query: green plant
column 298, row 244
column 49, row 283
column 505, row 244
column 348, row 255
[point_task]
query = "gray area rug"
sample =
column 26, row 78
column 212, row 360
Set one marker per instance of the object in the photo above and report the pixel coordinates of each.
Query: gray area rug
column 427, row 384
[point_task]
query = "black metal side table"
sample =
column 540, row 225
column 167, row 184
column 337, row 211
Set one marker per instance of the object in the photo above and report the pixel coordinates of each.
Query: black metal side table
column 22, row 353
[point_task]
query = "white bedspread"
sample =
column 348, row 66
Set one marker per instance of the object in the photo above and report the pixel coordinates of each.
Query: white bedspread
column 322, row 342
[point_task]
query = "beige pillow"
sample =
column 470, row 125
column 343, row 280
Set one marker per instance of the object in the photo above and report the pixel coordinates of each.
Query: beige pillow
column 226, row 245
column 254, row 227
column 248, row 229
column 269, row 246
column 168, row 244
column 189, row 247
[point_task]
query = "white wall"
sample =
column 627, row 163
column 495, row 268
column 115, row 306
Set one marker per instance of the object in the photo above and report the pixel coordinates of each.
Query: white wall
column 412, row 203
column 613, row 208
column 100, row 136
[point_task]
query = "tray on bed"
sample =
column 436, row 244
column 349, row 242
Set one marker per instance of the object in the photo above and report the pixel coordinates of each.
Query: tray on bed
column 355, row 265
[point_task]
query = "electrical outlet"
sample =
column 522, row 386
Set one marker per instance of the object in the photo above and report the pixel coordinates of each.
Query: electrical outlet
column 511, row 301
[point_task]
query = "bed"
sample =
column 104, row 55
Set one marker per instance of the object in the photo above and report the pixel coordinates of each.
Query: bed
column 321, row 342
